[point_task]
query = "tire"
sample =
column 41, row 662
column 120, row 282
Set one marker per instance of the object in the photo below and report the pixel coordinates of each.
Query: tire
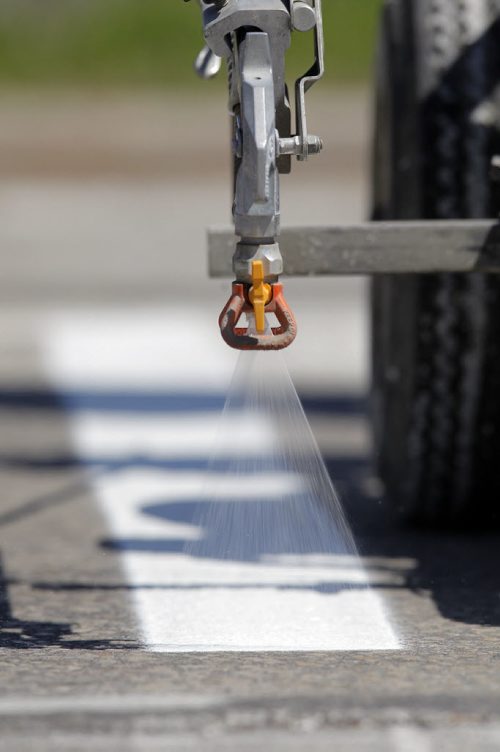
column 436, row 338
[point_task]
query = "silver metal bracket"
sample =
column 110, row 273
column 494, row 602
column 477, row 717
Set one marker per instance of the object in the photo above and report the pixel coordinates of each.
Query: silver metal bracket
column 222, row 18
column 306, row 144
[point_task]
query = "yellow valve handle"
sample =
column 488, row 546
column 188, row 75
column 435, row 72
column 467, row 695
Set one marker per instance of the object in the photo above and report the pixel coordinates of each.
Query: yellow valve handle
column 259, row 295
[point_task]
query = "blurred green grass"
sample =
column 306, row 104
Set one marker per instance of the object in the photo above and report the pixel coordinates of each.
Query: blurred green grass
column 150, row 42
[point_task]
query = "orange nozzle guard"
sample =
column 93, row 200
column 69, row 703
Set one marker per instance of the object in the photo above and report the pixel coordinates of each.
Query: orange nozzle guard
column 237, row 337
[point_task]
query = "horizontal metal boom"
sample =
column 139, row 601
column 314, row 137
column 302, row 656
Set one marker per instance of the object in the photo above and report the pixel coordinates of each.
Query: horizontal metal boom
column 376, row 248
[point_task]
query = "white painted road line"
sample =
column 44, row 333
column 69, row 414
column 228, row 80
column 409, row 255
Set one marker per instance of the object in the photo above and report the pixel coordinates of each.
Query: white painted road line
column 172, row 437
column 149, row 348
column 195, row 434
column 190, row 604
column 189, row 597
column 141, row 349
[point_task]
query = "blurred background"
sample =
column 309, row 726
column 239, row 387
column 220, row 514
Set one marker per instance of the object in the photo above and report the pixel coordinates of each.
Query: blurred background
column 124, row 43
column 114, row 158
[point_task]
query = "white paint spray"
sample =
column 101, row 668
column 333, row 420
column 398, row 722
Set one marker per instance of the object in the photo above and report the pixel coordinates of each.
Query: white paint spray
column 191, row 590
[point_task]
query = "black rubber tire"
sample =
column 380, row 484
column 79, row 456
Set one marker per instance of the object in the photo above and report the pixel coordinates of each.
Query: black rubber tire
column 436, row 338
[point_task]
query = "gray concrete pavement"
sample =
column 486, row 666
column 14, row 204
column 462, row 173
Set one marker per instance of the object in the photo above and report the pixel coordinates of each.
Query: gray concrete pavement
column 75, row 671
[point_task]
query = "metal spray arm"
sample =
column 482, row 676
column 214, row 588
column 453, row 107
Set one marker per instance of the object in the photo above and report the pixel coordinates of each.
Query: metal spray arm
column 253, row 36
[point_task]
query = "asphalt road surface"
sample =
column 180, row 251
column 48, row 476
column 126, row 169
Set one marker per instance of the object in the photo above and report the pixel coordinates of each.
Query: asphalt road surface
column 115, row 632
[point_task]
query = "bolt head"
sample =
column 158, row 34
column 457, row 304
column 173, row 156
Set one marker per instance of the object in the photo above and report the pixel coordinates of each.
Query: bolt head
column 303, row 16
